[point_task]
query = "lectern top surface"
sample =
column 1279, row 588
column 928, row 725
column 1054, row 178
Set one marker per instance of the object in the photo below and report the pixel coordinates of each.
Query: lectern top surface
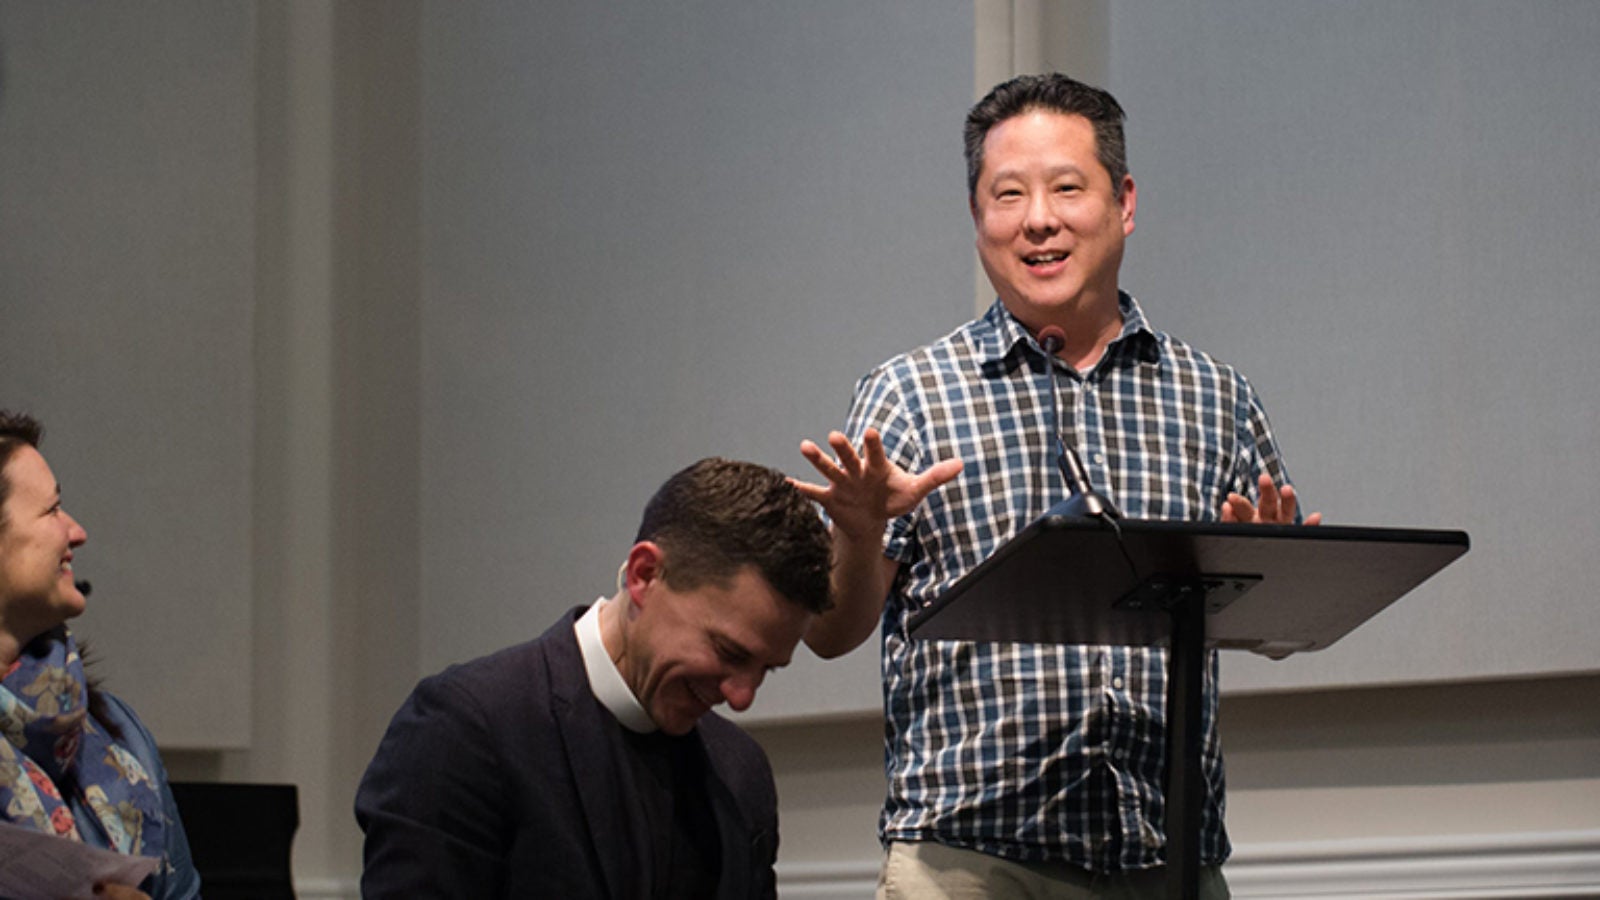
column 1273, row 589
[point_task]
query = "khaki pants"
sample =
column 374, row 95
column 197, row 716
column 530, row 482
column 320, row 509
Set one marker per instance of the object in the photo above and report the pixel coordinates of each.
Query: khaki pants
column 930, row 871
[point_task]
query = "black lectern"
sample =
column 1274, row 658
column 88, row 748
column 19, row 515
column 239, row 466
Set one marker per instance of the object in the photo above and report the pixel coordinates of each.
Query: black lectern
column 1271, row 589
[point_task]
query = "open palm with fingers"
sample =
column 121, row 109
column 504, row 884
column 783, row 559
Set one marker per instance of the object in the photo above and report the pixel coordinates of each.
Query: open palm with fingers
column 865, row 489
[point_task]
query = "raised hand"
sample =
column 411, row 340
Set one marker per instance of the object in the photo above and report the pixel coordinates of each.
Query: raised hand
column 866, row 490
column 1276, row 507
column 863, row 492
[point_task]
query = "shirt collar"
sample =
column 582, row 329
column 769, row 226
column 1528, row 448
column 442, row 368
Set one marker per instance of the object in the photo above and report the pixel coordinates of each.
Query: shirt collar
column 1000, row 335
column 604, row 679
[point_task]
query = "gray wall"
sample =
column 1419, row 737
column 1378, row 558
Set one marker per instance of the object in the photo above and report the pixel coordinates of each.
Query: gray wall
column 127, row 302
column 1384, row 214
column 657, row 234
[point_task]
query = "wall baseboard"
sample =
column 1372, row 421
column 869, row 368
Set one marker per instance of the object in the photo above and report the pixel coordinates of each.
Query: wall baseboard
column 1465, row 867
column 326, row 889
column 1460, row 867
column 1535, row 865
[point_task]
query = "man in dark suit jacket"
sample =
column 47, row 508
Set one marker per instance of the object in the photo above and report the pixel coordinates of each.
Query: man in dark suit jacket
column 586, row 763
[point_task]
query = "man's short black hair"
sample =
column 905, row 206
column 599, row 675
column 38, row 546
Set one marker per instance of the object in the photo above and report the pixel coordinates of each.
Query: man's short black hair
column 1057, row 93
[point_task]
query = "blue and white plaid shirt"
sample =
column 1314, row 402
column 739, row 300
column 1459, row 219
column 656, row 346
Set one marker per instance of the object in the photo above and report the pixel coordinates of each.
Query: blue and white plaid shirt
column 1037, row 752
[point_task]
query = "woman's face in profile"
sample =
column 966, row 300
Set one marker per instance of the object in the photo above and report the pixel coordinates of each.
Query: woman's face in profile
column 37, row 539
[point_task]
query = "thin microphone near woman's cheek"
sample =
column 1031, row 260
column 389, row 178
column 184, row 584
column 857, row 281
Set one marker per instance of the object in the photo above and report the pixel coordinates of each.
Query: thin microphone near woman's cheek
column 83, row 587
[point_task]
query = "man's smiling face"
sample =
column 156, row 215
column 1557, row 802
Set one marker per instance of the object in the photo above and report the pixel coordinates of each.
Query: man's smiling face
column 689, row 650
column 1050, row 223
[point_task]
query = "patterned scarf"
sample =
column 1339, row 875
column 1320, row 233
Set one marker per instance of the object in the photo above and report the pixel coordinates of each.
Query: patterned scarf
column 51, row 742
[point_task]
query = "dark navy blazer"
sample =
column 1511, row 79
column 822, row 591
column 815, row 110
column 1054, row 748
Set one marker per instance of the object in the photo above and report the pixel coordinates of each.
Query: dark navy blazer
column 504, row 777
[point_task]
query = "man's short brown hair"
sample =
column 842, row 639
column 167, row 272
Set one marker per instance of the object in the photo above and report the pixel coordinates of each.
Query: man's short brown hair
column 718, row 516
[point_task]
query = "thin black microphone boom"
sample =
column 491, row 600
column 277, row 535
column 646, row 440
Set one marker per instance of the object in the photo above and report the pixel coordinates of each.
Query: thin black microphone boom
column 1083, row 499
column 83, row 587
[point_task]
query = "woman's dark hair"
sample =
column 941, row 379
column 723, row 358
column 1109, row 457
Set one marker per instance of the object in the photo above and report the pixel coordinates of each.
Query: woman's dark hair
column 16, row 431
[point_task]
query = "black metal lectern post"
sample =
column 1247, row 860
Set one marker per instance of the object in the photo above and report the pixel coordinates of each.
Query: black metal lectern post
column 1271, row 589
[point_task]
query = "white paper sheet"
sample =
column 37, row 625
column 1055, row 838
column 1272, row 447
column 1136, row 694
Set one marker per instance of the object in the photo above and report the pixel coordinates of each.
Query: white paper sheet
column 39, row 866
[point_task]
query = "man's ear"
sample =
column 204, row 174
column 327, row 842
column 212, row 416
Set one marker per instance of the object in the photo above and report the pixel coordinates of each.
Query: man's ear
column 642, row 570
column 1130, row 204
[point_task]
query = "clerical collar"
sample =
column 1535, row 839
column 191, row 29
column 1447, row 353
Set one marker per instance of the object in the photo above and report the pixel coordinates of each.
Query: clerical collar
column 604, row 679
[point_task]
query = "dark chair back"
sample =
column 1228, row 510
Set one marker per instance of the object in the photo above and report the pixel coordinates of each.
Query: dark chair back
column 240, row 836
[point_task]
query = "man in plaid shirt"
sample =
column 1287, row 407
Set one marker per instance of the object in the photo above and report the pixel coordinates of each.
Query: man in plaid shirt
column 1033, row 770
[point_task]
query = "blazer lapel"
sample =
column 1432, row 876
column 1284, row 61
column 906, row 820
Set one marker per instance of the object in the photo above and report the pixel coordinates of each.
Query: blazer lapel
column 734, row 830
column 593, row 743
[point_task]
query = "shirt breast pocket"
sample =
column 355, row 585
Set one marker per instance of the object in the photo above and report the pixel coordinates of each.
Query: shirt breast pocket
column 1197, row 471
